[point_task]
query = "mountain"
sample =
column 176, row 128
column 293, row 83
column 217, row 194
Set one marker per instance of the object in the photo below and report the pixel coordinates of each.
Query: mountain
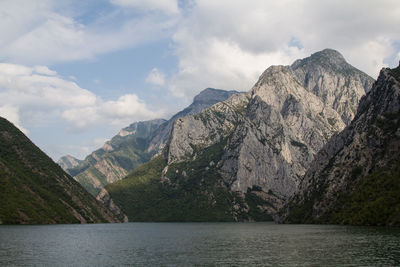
column 117, row 157
column 355, row 178
column 135, row 145
column 332, row 79
column 242, row 158
column 203, row 100
column 68, row 162
column 35, row 190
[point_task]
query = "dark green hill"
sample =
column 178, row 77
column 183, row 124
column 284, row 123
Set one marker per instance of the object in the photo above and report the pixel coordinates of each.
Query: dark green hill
column 35, row 190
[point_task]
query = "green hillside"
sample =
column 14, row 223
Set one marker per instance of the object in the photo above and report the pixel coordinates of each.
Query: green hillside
column 35, row 190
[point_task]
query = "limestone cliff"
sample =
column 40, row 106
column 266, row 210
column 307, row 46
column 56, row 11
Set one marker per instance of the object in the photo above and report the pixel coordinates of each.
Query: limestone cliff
column 337, row 83
column 355, row 178
column 203, row 100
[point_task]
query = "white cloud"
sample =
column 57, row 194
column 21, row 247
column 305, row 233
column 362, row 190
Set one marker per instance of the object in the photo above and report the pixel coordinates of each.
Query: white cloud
column 125, row 110
column 28, row 95
column 40, row 34
column 228, row 44
column 44, row 70
column 167, row 6
column 156, row 77
column 11, row 114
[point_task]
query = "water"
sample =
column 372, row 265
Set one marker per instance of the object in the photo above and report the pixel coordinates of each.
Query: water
column 198, row 244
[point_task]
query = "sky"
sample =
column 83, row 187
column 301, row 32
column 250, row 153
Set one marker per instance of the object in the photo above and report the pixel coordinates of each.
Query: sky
column 73, row 73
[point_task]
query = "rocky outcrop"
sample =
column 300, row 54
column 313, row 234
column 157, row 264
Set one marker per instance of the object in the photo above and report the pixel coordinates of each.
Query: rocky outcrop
column 355, row 178
column 35, row 190
column 105, row 198
column 203, row 100
column 68, row 162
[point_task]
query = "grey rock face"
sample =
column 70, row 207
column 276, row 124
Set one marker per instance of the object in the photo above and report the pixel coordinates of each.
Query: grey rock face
column 105, row 198
column 275, row 130
column 203, row 100
column 337, row 83
column 371, row 142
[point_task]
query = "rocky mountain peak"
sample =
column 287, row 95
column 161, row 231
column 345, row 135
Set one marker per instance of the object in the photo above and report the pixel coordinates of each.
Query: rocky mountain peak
column 211, row 95
column 275, row 84
column 327, row 57
column 337, row 83
column 134, row 127
column 385, row 96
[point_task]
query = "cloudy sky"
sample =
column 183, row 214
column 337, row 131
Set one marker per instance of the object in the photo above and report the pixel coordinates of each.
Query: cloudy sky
column 72, row 72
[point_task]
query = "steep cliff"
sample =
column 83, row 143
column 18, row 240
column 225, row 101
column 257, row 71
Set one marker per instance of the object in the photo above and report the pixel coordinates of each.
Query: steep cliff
column 203, row 100
column 261, row 142
column 35, row 190
column 337, row 83
column 355, row 178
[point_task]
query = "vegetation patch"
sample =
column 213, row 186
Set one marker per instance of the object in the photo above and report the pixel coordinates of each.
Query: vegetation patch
column 375, row 200
column 298, row 144
column 332, row 121
column 255, row 204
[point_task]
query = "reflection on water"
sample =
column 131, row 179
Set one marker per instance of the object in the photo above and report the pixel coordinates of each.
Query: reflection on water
column 186, row 244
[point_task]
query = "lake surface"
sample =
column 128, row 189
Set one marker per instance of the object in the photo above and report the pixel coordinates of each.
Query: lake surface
column 198, row 244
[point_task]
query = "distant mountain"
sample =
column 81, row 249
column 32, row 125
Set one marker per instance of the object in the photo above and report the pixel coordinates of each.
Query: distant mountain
column 355, row 178
column 242, row 158
column 135, row 145
column 68, row 162
column 35, row 190
column 123, row 153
